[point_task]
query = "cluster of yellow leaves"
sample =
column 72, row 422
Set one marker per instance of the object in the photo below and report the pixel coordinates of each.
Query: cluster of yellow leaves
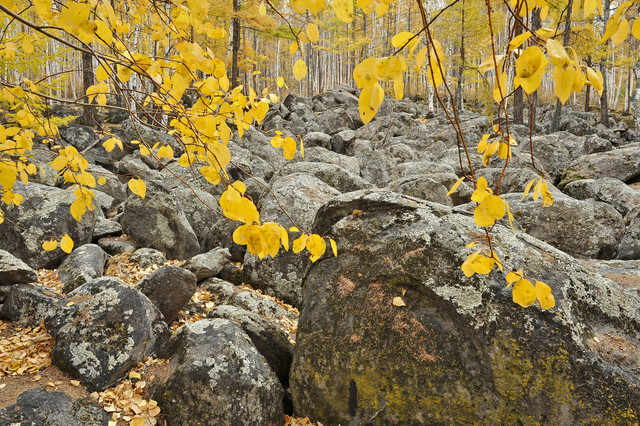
column 480, row 262
column 368, row 75
column 262, row 239
column 500, row 144
column 126, row 402
column 26, row 351
column 314, row 243
column 66, row 244
column 540, row 189
column 617, row 28
column 288, row 145
column 490, row 208
column 525, row 293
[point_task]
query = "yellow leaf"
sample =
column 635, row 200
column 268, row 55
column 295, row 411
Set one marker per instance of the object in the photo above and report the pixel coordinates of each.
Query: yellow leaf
column 579, row 81
column 524, row 293
column 300, row 243
column 398, row 88
column 280, row 82
column 78, row 209
column 557, row 54
column 544, row 295
column 364, row 73
column 312, row 33
column 518, row 40
column 293, row 47
column 262, row 9
column 595, row 79
column 500, row 91
column 397, row 301
column 514, row 276
column 27, row 46
column 138, row 187
column 284, row 238
column 369, row 101
column 529, row 62
column 478, row 263
column 488, row 64
column 66, row 244
column 111, row 143
column 50, row 245
column 510, row 216
column 455, row 186
column 528, row 188
column 547, row 196
column 482, row 190
column 299, row 70
column 563, row 79
column 388, row 69
column 102, row 180
column 589, row 7
column 134, row 375
column 537, row 190
column 635, row 29
column 334, row 247
column 491, row 209
column 289, row 148
column 316, row 245
column 401, row 39
column 301, row 149
column 343, row 10
column 621, row 34
column 138, row 421
column 102, row 73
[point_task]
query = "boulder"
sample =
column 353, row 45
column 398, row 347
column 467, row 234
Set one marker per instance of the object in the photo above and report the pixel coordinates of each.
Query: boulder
column 322, row 155
column 459, row 351
column 272, row 343
column 158, row 221
column 107, row 329
column 44, row 213
column 621, row 163
column 146, row 257
column 629, row 247
column 39, row 407
column 82, row 265
column 209, row 264
column 30, row 304
column 81, row 137
column 332, row 174
column 608, row 190
column 135, row 130
column 282, row 276
column 584, row 229
column 14, row 270
column 219, row 378
column 169, row 288
column 106, row 228
column 118, row 245
column 201, row 210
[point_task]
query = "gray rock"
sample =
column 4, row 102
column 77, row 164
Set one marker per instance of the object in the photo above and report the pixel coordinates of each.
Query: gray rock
column 458, row 351
column 106, row 228
column 112, row 185
column 158, row 221
column 118, row 245
column 322, row 155
column 82, row 265
column 594, row 143
column 584, row 229
column 108, row 329
column 219, row 378
column 621, row 163
column 133, row 166
column 169, row 288
column 259, row 305
column 39, row 407
column 630, row 244
column 202, row 212
column 312, row 139
column 332, row 174
column 14, row 270
column 43, row 214
column 209, row 264
column 282, row 275
column 421, row 187
column 30, row 304
column 272, row 343
column 334, row 121
column 134, row 130
column 608, row 190
column 221, row 291
column 423, row 168
column 462, row 194
column 341, row 141
column 146, row 257
column 377, row 167
column 81, row 137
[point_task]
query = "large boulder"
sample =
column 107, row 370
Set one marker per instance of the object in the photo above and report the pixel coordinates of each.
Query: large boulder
column 201, row 210
column 106, row 330
column 82, row 265
column 30, row 304
column 302, row 195
column 169, row 288
column 44, row 213
column 39, row 407
column 622, row 164
column 14, row 270
column 209, row 264
column 582, row 228
column 608, row 190
column 459, row 351
column 332, row 174
column 158, row 221
column 219, row 378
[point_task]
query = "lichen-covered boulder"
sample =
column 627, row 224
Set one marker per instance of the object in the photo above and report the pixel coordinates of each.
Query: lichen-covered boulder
column 219, row 378
column 82, row 265
column 608, row 190
column 14, row 270
column 30, row 304
column 332, row 174
column 106, row 330
column 147, row 257
column 39, row 407
column 158, row 221
column 169, row 288
column 459, row 351
column 621, row 163
column 272, row 343
column 581, row 228
column 209, row 264
column 43, row 214
column 302, row 195
column 423, row 187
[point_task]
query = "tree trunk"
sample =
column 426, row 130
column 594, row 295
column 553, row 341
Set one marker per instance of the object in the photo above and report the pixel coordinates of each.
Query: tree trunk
column 235, row 44
column 567, row 32
column 635, row 100
column 604, row 107
column 89, row 117
column 518, row 104
column 458, row 93
column 536, row 24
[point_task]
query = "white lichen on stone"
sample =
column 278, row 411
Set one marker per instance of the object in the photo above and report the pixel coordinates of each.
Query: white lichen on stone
column 85, row 361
